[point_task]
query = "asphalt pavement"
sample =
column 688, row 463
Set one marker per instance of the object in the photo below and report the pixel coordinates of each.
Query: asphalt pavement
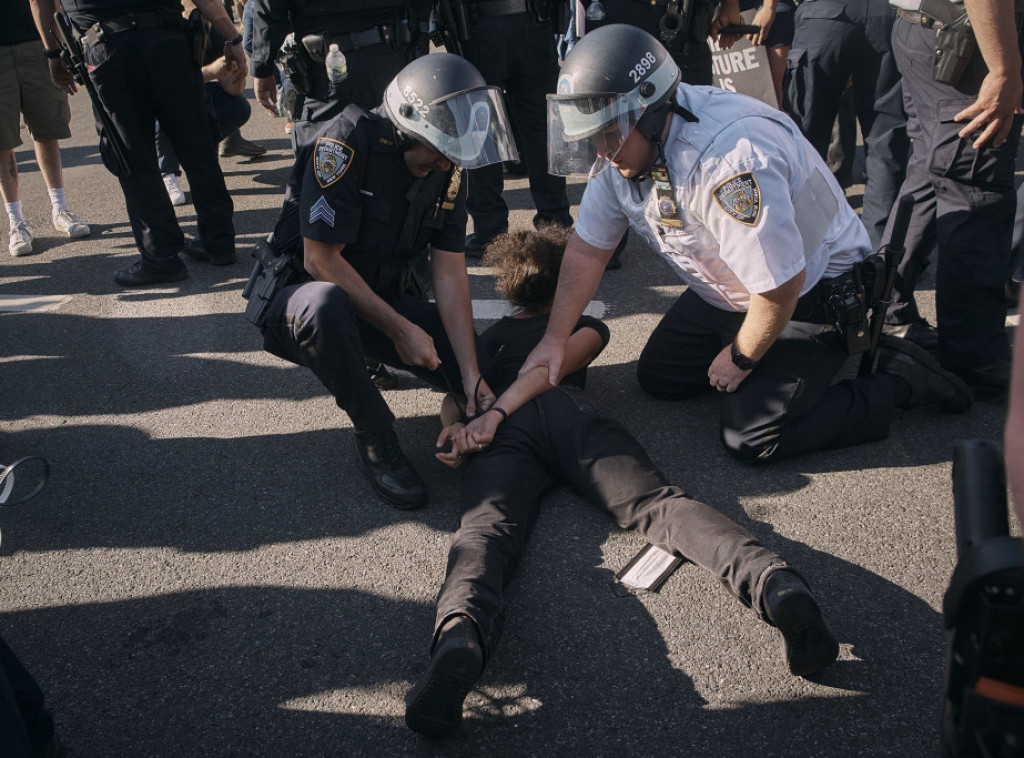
column 208, row 574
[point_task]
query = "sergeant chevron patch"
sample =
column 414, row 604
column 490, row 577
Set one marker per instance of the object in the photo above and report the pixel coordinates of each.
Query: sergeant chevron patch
column 740, row 197
column 321, row 211
column 331, row 160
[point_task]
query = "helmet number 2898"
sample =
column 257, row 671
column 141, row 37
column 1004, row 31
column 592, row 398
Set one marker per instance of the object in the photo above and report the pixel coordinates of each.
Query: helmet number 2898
column 640, row 69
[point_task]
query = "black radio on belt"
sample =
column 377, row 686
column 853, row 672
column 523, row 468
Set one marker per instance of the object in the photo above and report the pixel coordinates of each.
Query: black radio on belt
column 848, row 309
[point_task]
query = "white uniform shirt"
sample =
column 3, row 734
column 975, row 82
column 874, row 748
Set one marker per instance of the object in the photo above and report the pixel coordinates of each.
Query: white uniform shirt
column 756, row 202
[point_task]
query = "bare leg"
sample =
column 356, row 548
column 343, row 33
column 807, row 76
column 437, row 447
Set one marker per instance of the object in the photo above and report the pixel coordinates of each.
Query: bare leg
column 9, row 177
column 48, row 156
column 777, row 65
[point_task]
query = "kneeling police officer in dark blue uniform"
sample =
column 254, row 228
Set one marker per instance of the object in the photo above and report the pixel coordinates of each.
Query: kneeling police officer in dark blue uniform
column 370, row 196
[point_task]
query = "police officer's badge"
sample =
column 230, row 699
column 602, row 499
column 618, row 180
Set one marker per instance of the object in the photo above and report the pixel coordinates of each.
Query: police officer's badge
column 740, row 197
column 331, row 160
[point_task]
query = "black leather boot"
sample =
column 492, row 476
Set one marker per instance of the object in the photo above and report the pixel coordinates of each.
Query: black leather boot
column 434, row 706
column 809, row 644
column 389, row 471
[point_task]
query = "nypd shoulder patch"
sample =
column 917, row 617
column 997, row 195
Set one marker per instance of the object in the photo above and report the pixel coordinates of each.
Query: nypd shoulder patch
column 321, row 211
column 740, row 197
column 331, row 160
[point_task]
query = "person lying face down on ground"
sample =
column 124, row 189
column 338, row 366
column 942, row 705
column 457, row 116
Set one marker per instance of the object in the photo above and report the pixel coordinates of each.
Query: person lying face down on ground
column 536, row 435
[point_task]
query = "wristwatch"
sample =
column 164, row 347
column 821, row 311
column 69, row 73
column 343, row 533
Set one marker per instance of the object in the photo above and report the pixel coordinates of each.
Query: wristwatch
column 740, row 360
column 236, row 41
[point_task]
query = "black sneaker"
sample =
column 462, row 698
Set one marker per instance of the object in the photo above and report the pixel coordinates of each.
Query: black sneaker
column 389, row 471
column 140, row 276
column 197, row 251
column 809, row 644
column 920, row 332
column 929, row 382
column 434, row 706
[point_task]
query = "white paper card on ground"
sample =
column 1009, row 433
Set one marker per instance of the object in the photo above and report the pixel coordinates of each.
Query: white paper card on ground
column 649, row 568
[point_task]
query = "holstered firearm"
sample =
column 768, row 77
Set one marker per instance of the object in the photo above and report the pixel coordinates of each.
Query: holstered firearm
column 955, row 45
column 892, row 256
column 292, row 57
column 197, row 36
column 452, row 25
column 271, row 273
column 73, row 57
column 983, row 611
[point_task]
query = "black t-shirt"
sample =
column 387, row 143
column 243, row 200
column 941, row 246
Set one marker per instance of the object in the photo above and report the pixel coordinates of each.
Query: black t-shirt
column 17, row 26
column 510, row 341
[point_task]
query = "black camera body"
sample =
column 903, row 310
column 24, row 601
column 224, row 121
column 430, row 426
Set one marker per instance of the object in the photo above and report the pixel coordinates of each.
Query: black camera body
column 983, row 610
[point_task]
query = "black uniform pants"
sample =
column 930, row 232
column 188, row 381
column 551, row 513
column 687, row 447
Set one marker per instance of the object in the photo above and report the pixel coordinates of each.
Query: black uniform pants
column 514, row 53
column 26, row 728
column 964, row 207
column 561, row 438
column 788, row 404
column 142, row 77
column 314, row 325
column 834, row 41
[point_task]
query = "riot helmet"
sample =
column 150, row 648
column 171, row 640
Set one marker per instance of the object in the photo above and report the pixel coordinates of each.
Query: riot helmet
column 617, row 78
column 442, row 101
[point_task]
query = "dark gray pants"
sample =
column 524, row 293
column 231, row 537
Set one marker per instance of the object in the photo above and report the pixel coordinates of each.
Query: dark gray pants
column 964, row 208
column 834, row 41
column 561, row 438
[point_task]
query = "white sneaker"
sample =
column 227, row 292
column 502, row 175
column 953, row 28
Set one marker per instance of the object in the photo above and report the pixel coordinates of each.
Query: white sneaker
column 21, row 239
column 174, row 189
column 67, row 222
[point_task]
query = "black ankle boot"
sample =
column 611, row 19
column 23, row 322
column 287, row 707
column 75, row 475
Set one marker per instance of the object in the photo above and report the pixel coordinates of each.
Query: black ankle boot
column 809, row 643
column 389, row 471
column 434, row 706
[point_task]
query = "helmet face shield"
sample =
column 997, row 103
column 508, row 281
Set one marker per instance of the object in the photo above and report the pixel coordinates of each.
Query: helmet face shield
column 586, row 133
column 469, row 128
column 587, row 128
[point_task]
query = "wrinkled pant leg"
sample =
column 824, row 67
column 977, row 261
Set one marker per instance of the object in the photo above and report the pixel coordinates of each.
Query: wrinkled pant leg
column 674, row 363
column 26, row 728
column 788, row 405
column 120, row 69
column 448, row 377
column 189, row 120
column 232, row 112
column 606, row 465
column 314, row 325
column 501, row 497
column 165, row 157
column 817, row 71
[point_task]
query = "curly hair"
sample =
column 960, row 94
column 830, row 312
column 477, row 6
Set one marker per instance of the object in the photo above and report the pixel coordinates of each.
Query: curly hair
column 528, row 263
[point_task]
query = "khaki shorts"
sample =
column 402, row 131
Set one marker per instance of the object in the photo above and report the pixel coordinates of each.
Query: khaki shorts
column 26, row 88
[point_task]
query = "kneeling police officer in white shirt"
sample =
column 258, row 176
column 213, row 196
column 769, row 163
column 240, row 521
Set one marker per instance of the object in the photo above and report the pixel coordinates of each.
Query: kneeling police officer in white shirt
column 730, row 193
